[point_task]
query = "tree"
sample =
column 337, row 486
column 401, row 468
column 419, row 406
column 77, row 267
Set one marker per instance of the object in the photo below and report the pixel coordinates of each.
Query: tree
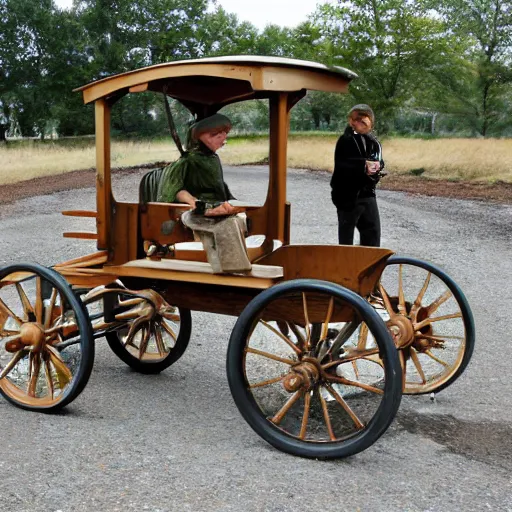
column 393, row 45
column 488, row 23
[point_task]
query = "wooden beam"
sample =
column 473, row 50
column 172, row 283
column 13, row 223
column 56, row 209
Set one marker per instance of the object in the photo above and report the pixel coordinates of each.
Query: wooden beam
column 103, row 183
column 79, row 213
column 139, row 88
column 276, row 197
column 76, row 234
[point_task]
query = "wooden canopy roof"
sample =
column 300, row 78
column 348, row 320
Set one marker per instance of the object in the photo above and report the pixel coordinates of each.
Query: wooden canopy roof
column 217, row 81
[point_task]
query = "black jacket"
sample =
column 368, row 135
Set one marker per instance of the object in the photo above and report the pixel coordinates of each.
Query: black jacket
column 349, row 180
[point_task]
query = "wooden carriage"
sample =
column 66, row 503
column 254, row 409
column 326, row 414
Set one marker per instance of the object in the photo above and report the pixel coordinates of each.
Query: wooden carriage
column 323, row 348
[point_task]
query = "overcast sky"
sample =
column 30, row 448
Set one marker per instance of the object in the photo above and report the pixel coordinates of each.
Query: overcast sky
column 261, row 12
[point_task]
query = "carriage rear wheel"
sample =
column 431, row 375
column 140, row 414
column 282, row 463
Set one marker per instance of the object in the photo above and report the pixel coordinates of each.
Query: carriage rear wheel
column 430, row 320
column 46, row 340
column 155, row 343
column 290, row 368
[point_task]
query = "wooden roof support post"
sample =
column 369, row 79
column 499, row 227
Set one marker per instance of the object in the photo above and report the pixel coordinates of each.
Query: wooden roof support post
column 276, row 197
column 103, row 182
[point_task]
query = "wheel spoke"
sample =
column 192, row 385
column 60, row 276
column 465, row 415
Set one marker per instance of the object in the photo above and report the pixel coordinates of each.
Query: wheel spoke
column 362, row 337
column 5, row 309
column 34, row 377
column 287, row 340
column 64, row 375
column 347, row 382
column 429, row 321
column 297, row 333
column 160, row 345
column 403, row 364
column 277, row 418
column 387, row 302
column 27, row 306
column 173, row 317
column 419, row 298
column 417, row 364
column 12, row 363
column 169, row 331
column 8, row 332
column 356, row 369
column 327, row 418
column 305, row 415
column 357, row 422
column 48, row 374
column 351, row 355
column 401, row 298
column 441, row 337
column 440, row 300
column 143, row 346
column 49, row 309
column 306, row 319
column 267, row 382
column 341, row 338
column 39, row 300
column 325, row 326
column 270, row 356
column 435, row 358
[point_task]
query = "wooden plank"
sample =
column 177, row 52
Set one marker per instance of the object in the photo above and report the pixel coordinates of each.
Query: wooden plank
column 84, row 236
column 263, row 271
column 261, row 277
column 84, row 260
column 80, row 213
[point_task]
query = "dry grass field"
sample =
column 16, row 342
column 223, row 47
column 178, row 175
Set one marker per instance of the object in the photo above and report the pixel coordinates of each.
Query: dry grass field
column 467, row 160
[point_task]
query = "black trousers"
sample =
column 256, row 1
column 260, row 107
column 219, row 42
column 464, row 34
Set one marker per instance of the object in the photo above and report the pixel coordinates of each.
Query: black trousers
column 365, row 217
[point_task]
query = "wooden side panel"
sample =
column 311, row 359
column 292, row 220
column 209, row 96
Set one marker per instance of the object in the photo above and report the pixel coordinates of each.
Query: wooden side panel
column 354, row 267
column 125, row 231
column 155, row 226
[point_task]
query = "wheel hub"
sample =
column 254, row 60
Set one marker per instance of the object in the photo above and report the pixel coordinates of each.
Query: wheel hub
column 401, row 330
column 304, row 375
column 31, row 335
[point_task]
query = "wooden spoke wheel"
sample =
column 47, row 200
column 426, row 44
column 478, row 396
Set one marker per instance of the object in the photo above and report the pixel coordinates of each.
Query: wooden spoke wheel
column 289, row 365
column 156, row 336
column 46, row 341
column 430, row 321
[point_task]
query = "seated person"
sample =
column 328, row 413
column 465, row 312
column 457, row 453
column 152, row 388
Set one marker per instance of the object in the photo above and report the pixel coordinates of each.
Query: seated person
column 198, row 174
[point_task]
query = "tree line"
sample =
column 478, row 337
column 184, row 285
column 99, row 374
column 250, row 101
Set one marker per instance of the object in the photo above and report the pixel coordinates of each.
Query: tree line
column 425, row 66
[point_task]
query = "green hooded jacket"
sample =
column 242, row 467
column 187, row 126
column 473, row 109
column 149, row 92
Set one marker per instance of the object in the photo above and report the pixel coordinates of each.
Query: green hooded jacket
column 198, row 171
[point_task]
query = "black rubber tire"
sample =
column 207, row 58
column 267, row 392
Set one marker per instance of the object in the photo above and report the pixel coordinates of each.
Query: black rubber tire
column 147, row 367
column 468, row 320
column 81, row 377
column 252, row 413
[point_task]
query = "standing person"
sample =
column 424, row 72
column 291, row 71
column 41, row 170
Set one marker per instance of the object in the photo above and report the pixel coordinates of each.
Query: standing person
column 358, row 167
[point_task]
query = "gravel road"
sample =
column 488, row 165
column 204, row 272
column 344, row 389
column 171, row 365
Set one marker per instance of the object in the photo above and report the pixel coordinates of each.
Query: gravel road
column 176, row 442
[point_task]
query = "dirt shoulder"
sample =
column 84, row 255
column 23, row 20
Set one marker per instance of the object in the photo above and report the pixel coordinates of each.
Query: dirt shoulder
column 497, row 192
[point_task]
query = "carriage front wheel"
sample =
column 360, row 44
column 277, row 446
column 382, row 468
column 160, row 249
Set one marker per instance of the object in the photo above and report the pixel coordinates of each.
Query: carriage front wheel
column 46, row 340
column 291, row 362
